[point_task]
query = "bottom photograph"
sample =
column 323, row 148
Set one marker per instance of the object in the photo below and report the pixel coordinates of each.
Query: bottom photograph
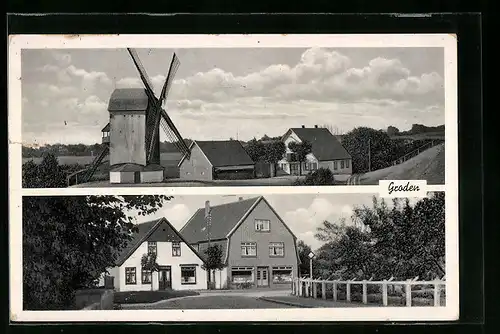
column 232, row 252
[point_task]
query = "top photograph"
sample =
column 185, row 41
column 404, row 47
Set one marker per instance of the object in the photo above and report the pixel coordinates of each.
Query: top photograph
column 195, row 117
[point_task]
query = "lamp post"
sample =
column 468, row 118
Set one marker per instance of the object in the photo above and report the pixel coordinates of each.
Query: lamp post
column 311, row 256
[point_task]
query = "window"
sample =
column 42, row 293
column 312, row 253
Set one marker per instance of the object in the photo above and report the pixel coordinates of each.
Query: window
column 176, row 248
column 341, row 164
column 188, row 274
column 248, row 249
column 146, row 276
column 152, row 247
column 262, row 225
column 276, row 249
column 335, row 165
column 347, row 164
column 314, row 166
column 242, row 274
column 130, row 275
column 307, row 166
column 282, row 274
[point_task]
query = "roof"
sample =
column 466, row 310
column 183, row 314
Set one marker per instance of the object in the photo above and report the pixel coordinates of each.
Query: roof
column 106, row 128
column 128, row 99
column 225, row 153
column 224, row 219
column 325, row 146
column 144, row 231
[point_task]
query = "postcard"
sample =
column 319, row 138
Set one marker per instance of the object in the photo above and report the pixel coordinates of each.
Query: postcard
column 191, row 178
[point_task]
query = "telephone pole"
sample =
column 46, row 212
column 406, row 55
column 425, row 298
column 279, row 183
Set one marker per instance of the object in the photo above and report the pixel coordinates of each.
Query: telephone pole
column 369, row 156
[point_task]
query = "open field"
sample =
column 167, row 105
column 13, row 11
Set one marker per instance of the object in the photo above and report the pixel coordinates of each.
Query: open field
column 167, row 159
column 275, row 181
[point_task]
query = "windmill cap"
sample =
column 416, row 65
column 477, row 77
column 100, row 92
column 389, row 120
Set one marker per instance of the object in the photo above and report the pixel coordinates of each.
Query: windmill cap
column 128, row 99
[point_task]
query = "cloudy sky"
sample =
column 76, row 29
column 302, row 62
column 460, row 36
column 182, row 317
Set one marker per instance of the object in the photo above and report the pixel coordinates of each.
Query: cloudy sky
column 302, row 213
column 239, row 93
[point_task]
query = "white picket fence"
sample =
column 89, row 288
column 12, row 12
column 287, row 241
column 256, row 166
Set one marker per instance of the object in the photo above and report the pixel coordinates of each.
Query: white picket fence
column 306, row 287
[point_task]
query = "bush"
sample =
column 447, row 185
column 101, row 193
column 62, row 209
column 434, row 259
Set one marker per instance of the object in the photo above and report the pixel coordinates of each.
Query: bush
column 321, row 176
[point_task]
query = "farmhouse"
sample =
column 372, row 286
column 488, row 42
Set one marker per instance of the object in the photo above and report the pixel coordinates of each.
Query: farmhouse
column 180, row 266
column 210, row 160
column 326, row 152
column 259, row 249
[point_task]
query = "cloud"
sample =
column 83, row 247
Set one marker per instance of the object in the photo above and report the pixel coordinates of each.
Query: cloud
column 176, row 214
column 305, row 220
column 320, row 75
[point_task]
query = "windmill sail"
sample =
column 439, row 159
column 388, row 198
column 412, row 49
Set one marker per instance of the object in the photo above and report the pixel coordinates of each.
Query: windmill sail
column 173, row 134
column 156, row 115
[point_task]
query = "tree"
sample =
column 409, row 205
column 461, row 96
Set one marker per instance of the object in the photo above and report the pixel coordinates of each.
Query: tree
column 273, row 152
column 69, row 241
column 330, row 232
column 213, row 260
column 255, row 150
column 303, row 250
column 269, row 151
column 47, row 174
column 367, row 145
column 403, row 241
column 148, row 262
column 300, row 152
column 392, row 131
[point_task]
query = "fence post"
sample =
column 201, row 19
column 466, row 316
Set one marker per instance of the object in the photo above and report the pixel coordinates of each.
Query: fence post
column 323, row 289
column 365, row 292
column 348, row 292
column 384, row 293
column 437, row 294
column 408, row 293
column 334, row 291
column 315, row 289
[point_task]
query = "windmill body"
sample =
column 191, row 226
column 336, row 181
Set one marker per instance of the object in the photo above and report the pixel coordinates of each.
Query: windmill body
column 132, row 136
column 129, row 110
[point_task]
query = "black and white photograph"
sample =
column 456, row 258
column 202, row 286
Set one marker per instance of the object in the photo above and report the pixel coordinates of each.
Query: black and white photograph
column 260, row 178
column 233, row 252
column 181, row 117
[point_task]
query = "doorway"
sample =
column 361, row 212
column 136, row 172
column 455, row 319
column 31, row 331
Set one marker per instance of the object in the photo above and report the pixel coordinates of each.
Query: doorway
column 164, row 278
column 262, row 276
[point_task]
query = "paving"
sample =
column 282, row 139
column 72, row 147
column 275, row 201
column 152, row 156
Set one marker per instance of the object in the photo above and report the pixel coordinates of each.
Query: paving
column 249, row 299
column 211, row 302
column 308, row 302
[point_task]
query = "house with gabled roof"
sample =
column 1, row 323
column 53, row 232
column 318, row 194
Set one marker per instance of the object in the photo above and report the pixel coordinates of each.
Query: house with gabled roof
column 180, row 265
column 210, row 160
column 259, row 249
column 326, row 152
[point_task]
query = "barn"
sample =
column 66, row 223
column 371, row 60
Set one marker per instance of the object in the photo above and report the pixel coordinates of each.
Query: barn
column 212, row 160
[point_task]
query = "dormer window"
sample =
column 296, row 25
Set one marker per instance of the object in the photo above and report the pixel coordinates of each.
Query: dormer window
column 262, row 225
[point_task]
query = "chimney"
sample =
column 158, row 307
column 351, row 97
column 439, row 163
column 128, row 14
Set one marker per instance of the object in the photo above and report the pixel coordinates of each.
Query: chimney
column 316, row 126
column 303, row 126
column 240, row 198
column 207, row 208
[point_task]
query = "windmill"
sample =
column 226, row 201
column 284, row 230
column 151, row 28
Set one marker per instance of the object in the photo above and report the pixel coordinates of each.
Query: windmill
column 132, row 136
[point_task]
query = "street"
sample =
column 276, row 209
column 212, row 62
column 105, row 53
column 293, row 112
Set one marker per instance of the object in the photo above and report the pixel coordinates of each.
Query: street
column 211, row 302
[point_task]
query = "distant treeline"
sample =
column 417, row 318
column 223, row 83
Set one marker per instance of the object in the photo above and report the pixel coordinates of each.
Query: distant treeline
column 94, row 149
column 416, row 129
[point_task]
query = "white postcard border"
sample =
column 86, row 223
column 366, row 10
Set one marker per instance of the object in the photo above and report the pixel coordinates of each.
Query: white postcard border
column 19, row 42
